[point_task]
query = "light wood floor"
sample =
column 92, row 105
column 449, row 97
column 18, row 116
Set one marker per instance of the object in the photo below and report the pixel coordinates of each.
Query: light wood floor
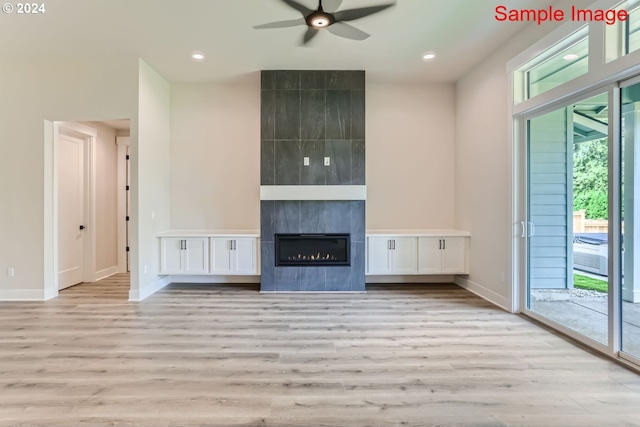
column 210, row 355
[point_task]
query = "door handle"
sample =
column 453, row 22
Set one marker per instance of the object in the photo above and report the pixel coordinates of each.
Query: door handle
column 533, row 229
column 82, row 227
column 524, row 229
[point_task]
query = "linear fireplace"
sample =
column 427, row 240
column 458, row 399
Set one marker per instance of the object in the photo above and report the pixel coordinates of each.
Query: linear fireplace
column 297, row 250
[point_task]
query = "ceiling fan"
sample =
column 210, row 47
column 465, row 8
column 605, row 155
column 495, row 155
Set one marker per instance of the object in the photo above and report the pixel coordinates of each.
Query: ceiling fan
column 335, row 22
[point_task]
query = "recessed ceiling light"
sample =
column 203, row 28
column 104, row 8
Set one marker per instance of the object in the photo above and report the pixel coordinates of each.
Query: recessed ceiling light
column 570, row 57
column 428, row 56
column 197, row 56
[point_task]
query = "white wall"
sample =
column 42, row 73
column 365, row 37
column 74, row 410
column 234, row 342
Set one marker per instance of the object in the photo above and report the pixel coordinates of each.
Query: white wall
column 150, row 181
column 483, row 169
column 410, row 152
column 215, row 155
column 106, row 167
column 32, row 92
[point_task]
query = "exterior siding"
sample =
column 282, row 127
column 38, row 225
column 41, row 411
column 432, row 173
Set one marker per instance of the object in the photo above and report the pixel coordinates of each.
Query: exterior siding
column 548, row 196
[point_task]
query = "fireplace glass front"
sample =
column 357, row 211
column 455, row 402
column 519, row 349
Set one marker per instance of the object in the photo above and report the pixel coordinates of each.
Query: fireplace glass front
column 312, row 250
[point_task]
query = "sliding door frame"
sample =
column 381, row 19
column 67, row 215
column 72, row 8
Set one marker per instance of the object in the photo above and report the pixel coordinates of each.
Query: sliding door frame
column 521, row 125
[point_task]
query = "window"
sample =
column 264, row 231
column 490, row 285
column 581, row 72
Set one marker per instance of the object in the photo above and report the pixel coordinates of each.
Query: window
column 632, row 31
column 555, row 66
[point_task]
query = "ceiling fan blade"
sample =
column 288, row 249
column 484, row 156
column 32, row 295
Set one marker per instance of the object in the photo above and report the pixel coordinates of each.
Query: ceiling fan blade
column 297, row 6
column 281, row 24
column 331, row 5
column 347, row 31
column 308, row 35
column 352, row 14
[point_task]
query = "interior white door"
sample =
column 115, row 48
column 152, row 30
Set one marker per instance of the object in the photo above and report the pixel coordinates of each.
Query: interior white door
column 70, row 210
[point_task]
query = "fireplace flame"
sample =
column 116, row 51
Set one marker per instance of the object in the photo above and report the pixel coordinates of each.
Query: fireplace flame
column 315, row 257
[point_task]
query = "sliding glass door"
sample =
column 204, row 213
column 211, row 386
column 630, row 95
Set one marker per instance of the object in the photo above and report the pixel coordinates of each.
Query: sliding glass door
column 566, row 229
column 630, row 190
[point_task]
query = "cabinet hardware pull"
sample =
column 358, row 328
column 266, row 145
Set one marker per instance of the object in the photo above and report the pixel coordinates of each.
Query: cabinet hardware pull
column 444, row 244
column 440, row 244
column 394, row 244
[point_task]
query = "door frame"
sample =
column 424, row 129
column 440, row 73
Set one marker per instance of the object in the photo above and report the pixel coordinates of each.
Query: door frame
column 123, row 143
column 89, row 136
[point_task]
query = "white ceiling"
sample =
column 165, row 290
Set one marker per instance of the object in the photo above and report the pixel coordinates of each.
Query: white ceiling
column 165, row 32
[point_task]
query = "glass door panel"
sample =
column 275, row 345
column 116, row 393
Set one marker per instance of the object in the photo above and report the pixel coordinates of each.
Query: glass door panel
column 567, row 217
column 630, row 188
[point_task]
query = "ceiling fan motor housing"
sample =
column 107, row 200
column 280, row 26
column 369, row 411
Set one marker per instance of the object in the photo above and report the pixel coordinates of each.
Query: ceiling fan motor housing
column 320, row 19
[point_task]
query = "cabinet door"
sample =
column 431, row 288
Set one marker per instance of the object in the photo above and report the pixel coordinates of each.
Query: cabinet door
column 245, row 256
column 221, row 255
column 429, row 255
column 196, row 256
column 454, row 255
column 404, row 255
column 171, row 255
column 378, row 255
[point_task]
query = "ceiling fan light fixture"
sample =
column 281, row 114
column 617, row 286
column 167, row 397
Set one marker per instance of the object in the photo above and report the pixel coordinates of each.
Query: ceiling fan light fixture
column 319, row 19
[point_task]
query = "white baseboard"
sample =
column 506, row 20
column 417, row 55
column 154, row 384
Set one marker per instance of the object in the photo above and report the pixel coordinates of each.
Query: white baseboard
column 23, row 295
column 483, row 292
column 214, row 279
column 137, row 295
column 409, row 279
column 50, row 293
column 106, row 273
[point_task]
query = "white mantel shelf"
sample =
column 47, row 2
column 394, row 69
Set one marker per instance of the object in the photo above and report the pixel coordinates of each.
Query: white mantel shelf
column 313, row 192
column 419, row 233
column 209, row 233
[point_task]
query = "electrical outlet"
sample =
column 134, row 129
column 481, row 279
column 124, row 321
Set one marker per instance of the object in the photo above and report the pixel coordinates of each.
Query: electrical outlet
column 327, row 161
column 11, row 272
column 305, row 161
column 153, row 214
column 145, row 269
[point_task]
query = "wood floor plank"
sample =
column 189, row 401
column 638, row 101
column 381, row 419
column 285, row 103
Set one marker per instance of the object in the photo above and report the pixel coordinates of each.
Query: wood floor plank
column 226, row 355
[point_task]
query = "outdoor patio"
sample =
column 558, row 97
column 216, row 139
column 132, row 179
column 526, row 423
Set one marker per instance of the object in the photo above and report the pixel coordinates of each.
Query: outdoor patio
column 586, row 313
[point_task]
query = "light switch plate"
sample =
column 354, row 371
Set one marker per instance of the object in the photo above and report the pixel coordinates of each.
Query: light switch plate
column 306, row 161
column 327, row 161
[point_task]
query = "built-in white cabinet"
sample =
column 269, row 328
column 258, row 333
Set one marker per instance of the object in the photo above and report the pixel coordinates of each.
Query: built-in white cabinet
column 442, row 255
column 207, row 253
column 189, row 255
column 234, row 255
column 419, row 252
column 391, row 255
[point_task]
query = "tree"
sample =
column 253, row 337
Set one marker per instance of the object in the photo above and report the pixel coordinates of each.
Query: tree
column 590, row 178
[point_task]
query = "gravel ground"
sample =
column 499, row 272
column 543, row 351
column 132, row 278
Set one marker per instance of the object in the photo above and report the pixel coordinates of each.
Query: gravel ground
column 582, row 293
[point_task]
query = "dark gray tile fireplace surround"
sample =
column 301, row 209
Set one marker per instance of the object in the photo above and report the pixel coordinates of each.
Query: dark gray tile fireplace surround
column 314, row 114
